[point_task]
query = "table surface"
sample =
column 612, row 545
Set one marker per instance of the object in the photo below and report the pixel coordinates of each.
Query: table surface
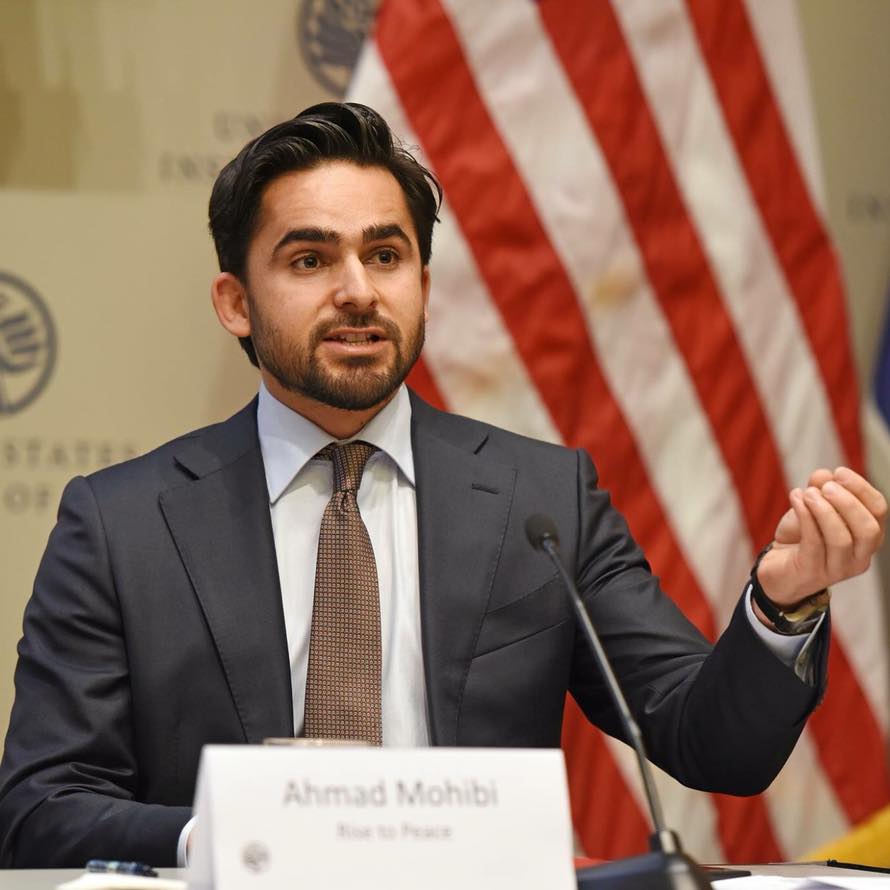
column 792, row 870
column 49, row 878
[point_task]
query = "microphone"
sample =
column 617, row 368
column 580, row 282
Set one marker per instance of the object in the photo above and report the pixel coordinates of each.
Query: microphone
column 540, row 529
column 667, row 867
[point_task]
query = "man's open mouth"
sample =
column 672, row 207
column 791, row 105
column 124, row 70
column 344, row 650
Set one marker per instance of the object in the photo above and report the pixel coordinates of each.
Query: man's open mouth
column 355, row 338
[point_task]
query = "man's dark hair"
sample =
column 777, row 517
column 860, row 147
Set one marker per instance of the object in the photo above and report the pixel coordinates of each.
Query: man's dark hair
column 331, row 131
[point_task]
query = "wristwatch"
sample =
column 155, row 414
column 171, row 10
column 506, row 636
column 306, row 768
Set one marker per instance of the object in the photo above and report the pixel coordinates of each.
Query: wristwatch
column 798, row 618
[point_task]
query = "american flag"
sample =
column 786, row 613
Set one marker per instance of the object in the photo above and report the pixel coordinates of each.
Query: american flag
column 633, row 258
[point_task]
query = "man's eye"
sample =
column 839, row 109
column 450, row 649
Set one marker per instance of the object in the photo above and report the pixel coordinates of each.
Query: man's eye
column 310, row 261
column 386, row 257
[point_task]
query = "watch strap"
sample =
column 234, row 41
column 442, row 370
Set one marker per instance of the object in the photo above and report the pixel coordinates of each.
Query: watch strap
column 797, row 618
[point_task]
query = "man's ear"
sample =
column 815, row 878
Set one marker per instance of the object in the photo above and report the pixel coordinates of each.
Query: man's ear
column 230, row 302
column 425, row 290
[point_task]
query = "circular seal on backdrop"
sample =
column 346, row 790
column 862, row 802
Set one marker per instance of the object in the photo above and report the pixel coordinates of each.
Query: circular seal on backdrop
column 27, row 344
column 331, row 34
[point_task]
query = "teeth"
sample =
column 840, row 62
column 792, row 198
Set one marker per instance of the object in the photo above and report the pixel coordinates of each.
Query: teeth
column 357, row 338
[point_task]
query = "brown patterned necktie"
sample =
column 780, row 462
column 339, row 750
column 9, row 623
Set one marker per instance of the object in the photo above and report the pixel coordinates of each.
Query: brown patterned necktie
column 343, row 680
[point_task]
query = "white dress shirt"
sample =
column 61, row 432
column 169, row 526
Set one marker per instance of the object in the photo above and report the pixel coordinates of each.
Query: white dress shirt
column 300, row 487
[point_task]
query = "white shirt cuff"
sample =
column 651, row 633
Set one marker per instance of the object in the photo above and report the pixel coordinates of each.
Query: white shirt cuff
column 793, row 650
column 182, row 847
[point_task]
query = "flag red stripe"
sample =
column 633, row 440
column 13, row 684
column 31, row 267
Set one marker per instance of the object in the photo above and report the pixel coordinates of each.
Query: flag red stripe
column 591, row 47
column 499, row 222
column 798, row 236
column 422, row 381
column 844, row 723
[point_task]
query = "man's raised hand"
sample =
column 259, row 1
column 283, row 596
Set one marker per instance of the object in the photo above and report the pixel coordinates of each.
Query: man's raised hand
column 829, row 534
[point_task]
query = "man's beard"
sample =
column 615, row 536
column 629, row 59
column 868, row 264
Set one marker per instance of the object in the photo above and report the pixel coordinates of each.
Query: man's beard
column 353, row 386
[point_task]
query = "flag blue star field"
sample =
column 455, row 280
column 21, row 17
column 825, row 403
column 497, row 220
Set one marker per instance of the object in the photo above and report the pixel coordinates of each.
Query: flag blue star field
column 632, row 259
column 882, row 371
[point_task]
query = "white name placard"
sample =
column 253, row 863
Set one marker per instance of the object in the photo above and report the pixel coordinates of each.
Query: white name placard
column 348, row 818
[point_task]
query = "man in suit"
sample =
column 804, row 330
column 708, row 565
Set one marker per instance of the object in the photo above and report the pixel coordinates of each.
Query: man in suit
column 177, row 601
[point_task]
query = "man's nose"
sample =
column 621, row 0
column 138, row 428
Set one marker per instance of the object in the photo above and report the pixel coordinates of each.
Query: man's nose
column 355, row 287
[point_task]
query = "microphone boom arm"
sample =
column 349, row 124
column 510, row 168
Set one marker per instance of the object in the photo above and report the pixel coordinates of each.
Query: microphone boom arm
column 666, row 838
column 667, row 867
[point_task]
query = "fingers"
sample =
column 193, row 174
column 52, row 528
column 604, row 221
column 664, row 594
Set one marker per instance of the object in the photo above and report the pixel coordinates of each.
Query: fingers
column 841, row 517
column 873, row 500
column 864, row 528
column 819, row 477
column 795, row 569
column 837, row 538
column 812, row 542
column 833, row 529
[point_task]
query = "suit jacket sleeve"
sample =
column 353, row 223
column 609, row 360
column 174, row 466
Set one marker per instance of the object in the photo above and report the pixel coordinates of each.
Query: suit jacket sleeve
column 70, row 750
column 719, row 719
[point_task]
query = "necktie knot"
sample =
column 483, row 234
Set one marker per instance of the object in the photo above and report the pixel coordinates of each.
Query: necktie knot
column 349, row 463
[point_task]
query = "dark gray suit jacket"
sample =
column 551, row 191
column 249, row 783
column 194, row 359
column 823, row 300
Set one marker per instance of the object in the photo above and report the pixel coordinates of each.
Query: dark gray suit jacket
column 156, row 627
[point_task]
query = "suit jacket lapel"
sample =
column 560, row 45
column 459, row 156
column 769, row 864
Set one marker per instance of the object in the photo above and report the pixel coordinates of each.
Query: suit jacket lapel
column 220, row 522
column 463, row 504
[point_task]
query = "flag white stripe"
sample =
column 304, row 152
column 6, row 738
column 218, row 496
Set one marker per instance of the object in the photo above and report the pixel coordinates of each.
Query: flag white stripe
column 857, row 617
column 802, row 803
column 470, row 353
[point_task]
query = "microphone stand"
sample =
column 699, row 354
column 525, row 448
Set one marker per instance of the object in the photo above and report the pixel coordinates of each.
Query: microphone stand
column 666, row 867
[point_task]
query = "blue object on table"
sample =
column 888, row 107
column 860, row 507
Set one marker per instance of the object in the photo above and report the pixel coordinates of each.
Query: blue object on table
column 113, row 866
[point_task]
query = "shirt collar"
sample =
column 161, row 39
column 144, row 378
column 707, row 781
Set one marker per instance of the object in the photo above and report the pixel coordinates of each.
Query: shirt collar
column 289, row 441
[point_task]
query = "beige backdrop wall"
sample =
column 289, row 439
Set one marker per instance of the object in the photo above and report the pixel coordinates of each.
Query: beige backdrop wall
column 115, row 116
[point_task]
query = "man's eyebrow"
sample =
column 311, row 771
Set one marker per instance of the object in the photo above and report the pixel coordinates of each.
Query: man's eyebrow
column 382, row 232
column 320, row 236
